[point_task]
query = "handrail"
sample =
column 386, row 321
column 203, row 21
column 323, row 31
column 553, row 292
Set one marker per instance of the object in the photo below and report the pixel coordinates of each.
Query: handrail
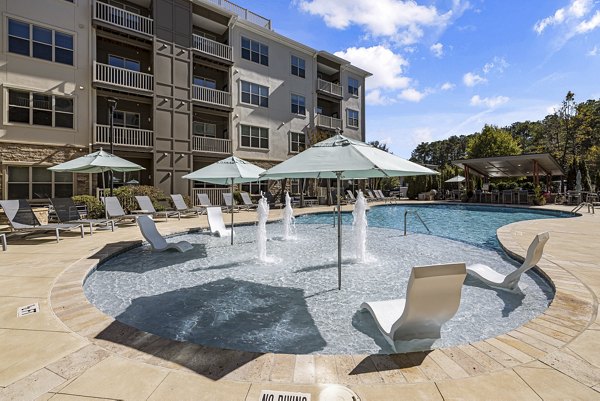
column 212, row 47
column 119, row 76
column 406, row 212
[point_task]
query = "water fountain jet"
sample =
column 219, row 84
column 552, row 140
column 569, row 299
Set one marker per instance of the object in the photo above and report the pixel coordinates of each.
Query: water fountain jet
column 360, row 227
column 261, row 231
column 289, row 220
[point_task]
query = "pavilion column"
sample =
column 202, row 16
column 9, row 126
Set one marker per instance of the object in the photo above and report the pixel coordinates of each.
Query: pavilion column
column 467, row 179
column 536, row 174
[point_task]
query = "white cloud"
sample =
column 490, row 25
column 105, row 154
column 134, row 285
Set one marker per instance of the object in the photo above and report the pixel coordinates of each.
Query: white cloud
column 498, row 64
column 377, row 98
column 594, row 52
column 552, row 108
column 412, row 95
column 385, row 65
column 575, row 11
column 437, row 49
column 489, row 102
column 446, row 86
column 421, row 134
column 402, row 21
column 589, row 25
column 470, row 79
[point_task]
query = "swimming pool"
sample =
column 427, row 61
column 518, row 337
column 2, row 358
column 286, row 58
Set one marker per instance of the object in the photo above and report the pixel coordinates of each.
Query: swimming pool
column 220, row 295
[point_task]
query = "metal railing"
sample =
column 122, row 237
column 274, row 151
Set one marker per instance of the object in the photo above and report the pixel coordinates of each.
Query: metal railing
column 123, row 77
column 129, row 203
column 212, row 47
column 414, row 212
column 212, row 96
column 328, row 122
column 124, row 136
column 243, row 13
column 123, row 18
column 215, row 195
column 211, row 145
column 329, row 87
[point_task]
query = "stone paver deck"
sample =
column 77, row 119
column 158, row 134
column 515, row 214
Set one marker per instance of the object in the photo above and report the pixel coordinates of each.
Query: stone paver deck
column 70, row 350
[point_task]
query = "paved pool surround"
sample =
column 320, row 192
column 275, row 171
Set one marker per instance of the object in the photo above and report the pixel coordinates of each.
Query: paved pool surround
column 74, row 349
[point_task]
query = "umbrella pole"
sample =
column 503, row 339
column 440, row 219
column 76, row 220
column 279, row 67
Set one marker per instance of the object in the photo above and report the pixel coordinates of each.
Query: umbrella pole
column 339, row 233
column 232, row 203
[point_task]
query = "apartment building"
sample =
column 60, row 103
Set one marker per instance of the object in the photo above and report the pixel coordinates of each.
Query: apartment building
column 188, row 82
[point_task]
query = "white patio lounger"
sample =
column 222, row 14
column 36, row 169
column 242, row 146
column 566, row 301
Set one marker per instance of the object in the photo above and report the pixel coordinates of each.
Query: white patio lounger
column 204, row 200
column 66, row 212
column 183, row 208
column 215, row 222
column 148, row 208
column 157, row 241
column 228, row 198
column 510, row 282
column 369, row 195
column 3, row 239
column 115, row 211
column 22, row 219
column 247, row 201
column 350, row 196
column 432, row 298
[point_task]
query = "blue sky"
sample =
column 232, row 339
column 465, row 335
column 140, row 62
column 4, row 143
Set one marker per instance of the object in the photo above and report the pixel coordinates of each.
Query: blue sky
column 448, row 67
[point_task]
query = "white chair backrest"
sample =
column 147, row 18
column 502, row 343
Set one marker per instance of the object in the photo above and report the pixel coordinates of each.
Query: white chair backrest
column 215, row 219
column 432, row 298
column 204, row 200
column 228, row 198
column 150, row 233
column 113, row 206
column 379, row 194
column 534, row 254
column 145, row 203
column 246, row 198
column 350, row 194
column 179, row 202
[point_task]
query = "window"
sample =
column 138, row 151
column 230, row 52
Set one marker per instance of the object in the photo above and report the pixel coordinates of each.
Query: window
column 121, row 62
column 256, row 188
column 204, row 129
column 297, row 142
column 255, row 51
column 353, row 86
column 255, row 94
column 38, row 42
column 40, row 109
column 126, row 119
column 25, row 182
column 254, row 137
column 205, row 82
column 206, row 35
column 352, row 118
column 298, row 105
column 298, row 67
column 295, row 186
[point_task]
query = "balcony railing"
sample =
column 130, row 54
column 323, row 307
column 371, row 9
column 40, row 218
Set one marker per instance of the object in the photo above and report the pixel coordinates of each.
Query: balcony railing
column 212, row 96
column 123, row 18
column 329, row 87
column 211, row 47
column 124, row 136
column 123, row 77
column 215, row 195
column 328, row 122
column 243, row 13
column 211, row 145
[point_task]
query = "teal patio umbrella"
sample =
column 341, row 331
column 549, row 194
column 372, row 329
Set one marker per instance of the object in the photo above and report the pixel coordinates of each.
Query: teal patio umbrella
column 229, row 171
column 341, row 157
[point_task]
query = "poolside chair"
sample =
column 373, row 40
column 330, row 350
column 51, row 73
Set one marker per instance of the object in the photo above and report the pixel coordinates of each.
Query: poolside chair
column 183, row 208
column 369, row 195
column 115, row 211
column 432, row 298
column 247, row 201
column 379, row 195
column 3, row 240
column 510, row 282
column 215, row 222
column 403, row 193
column 204, row 200
column 66, row 212
column 22, row 219
column 147, row 207
column 228, row 198
column 350, row 196
column 157, row 241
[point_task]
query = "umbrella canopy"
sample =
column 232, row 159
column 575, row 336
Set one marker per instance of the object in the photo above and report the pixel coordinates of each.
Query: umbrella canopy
column 229, row 171
column 97, row 162
column 458, row 178
column 342, row 157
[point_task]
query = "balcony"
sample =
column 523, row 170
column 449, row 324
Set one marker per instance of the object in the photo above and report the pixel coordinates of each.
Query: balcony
column 243, row 13
column 118, row 17
column 139, row 138
column 329, row 88
column 211, row 96
column 211, row 145
column 212, row 48
column 328, row 122
column 123, row 78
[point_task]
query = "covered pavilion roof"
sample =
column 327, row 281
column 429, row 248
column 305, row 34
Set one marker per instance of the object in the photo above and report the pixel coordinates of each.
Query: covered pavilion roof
column 512, row 166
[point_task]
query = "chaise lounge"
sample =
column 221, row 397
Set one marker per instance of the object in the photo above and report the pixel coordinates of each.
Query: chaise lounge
column 147, row 207
column 66, row 212
column 215, row 222
column 183, row 208
column 115, row 211
column 157, row 241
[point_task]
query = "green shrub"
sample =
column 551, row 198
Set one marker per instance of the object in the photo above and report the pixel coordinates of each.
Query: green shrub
column 95, row 208
column 538, row 197
column 126, row 196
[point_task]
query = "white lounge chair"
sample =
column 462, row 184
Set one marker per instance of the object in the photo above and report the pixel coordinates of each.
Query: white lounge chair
column 147, row 207
column 115, row 211
column 183, row 208
column 350, row 196
column 215, row 222
column 369, row 195
column 204, row 200
column 157, row 241
column 229, row 201
column 510, row 282
column 432, row 298
column 247, row 201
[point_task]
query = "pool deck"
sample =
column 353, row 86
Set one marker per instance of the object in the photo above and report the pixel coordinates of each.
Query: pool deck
column 71, row 351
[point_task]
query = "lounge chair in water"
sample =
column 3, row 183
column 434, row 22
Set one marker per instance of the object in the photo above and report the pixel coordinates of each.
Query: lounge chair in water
column 157, row 241
column 215, row 222
column 183, row 208
column 147, row 207
column 247, row 201
column 115, row 211
column 432, row 298
column 66, row 212
column 510, row 282
column 22, row 219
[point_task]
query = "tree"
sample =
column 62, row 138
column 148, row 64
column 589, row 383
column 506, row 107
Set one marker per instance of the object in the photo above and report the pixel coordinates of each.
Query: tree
column 380, row 145
column 586, row 182
column 492, row 141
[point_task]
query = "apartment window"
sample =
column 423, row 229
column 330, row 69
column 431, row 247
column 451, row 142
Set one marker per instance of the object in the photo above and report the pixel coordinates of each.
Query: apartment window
column 255, row 51
column 295, row 186
column 352, row 118
column 27, row 182
column 204, row 129
column 255, row 94
column 353, row 86
column 38, row 42
column 122, row 62
column 298, row 105
column 256, row 188
column 298, row 67
column 297, row 142
column 205, row 82
column 40, row 109
column 254, row 137
column 126, row 119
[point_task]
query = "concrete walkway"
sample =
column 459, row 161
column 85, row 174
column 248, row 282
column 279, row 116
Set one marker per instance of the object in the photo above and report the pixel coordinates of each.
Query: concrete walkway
column 70, row 350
